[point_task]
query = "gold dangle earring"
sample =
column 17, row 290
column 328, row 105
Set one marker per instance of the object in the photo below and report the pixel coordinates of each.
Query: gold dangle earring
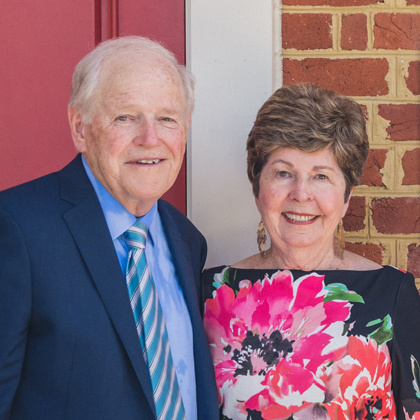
column 261, row 238
column 341, row 238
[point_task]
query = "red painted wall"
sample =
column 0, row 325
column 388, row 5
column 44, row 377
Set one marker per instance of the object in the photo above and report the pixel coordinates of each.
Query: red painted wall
column 41, row 42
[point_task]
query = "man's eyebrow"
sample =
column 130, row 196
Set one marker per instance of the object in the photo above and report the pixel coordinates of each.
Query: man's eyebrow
column 123, row 106
column 171, row 110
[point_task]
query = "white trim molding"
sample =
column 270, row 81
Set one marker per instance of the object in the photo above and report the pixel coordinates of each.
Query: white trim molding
column 234, row 51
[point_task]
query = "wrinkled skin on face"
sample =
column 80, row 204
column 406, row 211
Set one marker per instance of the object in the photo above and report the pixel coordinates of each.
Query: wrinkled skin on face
column 301, row 201
column 136, row 141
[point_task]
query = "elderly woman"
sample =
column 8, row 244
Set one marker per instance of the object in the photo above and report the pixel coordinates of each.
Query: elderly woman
column 306, row 329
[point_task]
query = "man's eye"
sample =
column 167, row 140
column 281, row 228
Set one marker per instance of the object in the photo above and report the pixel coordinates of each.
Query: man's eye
column 167, row 119
column 122, row 118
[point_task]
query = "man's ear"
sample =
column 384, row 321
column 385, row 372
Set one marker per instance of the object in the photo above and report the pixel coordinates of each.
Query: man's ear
column 77, row 128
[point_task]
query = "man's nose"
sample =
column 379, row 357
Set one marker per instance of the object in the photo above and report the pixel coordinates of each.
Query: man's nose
column 147, row 132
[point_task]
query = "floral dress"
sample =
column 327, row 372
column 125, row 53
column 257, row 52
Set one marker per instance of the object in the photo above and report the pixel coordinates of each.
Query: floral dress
column 314, row 345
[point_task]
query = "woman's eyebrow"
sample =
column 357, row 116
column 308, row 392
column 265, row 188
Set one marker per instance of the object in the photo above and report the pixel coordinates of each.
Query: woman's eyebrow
column 317, row 168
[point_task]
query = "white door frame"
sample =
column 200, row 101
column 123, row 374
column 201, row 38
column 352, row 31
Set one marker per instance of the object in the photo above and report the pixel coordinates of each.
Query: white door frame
column 234, row 50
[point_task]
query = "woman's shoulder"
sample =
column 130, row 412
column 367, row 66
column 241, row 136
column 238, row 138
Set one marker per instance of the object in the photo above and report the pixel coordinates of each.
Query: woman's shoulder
column 252, row 262
column 210, row 272
column 249, row 263
column 229, row 276
column 355, row 262
column 350, row 261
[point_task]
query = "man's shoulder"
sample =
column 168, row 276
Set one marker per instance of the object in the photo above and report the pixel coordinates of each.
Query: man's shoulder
column 40, row 192
column 166, row 209
column 34, row 188
column 32, row 206
column 182, row 235
column 171, row 215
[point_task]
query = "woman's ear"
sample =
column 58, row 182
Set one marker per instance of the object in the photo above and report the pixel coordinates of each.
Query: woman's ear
column 346, row 205
column 257, row 203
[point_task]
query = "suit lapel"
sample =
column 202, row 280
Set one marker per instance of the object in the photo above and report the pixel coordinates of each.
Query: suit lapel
column 181, row 253
column 90, row 232
column 188, row 272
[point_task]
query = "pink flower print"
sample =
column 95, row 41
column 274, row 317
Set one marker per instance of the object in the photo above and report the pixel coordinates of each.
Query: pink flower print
column 270, row 341
column 415, row 369
column 358, row 386
column 288, row 389
column 416, row 415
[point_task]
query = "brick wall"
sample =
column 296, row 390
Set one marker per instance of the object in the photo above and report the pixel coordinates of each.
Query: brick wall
column 369, row 50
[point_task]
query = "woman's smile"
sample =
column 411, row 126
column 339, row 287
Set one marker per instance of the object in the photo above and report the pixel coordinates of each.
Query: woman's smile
column 300, row 219
column 301, row 198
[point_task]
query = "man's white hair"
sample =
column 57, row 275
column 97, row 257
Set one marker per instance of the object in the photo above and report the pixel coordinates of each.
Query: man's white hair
column 86, row 74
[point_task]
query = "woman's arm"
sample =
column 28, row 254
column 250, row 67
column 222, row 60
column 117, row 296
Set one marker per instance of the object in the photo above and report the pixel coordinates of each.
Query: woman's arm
column 406, row 350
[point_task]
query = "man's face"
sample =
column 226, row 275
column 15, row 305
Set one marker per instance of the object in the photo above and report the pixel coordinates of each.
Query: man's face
column 136, row 141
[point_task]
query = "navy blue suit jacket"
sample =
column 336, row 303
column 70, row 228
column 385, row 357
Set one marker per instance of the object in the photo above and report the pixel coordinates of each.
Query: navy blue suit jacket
column 68, row 344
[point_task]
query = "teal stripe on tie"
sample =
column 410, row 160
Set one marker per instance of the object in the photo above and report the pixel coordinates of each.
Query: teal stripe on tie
column 151, row 327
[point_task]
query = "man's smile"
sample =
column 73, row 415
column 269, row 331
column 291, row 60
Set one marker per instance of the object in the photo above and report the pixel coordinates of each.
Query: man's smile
column 149, row 162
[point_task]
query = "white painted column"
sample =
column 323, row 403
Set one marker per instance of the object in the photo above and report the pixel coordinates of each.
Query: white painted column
column 230, row 51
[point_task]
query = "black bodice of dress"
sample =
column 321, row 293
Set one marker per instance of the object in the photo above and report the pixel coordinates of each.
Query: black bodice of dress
column 289, row 344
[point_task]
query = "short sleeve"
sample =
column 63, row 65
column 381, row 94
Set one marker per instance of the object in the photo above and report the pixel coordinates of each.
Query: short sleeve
column 405, row 352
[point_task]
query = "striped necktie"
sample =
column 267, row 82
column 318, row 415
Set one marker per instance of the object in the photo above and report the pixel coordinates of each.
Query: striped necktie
column 151, row 327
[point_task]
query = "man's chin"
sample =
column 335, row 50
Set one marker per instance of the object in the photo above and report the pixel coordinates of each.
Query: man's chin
column 140, row 202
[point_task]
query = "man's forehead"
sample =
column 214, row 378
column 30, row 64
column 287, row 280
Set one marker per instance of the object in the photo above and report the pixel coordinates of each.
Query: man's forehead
column 123, row 78
column 138, row 63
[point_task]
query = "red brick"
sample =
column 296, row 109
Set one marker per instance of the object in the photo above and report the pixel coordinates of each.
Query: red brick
column 370, row 251
column 365, row 112
column 308, row 31
column 404, row 121
column 413, row 260
column 394, row 31
column 413, row 79
column 354, row 220
column 354, row 34
column 375, row 162
column 353, row 77
column 396, row 215
column 413, row 2
column 411, row 167
column 330, row 2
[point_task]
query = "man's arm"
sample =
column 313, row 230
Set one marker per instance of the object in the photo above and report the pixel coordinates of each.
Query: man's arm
column 203, row 256
column 15, row 308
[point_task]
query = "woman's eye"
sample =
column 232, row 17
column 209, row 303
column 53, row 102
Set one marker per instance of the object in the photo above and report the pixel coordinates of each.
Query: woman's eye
column 322, row 176
column 283, row 174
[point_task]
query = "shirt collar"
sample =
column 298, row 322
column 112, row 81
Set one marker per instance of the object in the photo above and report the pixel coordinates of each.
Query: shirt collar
column 117, row 217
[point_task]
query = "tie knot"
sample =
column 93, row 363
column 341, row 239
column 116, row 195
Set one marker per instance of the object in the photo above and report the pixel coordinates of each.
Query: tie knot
column 135, row 237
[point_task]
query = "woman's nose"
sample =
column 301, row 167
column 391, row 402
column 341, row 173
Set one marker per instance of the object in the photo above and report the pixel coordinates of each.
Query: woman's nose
column 301, row 191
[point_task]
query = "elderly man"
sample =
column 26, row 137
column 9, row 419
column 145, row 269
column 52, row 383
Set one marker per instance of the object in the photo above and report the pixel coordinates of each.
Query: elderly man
column 99, row 278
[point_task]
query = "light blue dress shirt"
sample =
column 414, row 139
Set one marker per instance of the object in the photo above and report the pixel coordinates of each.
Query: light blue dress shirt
column 159, row 258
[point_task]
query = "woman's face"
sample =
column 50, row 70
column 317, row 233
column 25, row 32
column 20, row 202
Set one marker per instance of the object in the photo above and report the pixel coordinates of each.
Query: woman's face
column 301, row 198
